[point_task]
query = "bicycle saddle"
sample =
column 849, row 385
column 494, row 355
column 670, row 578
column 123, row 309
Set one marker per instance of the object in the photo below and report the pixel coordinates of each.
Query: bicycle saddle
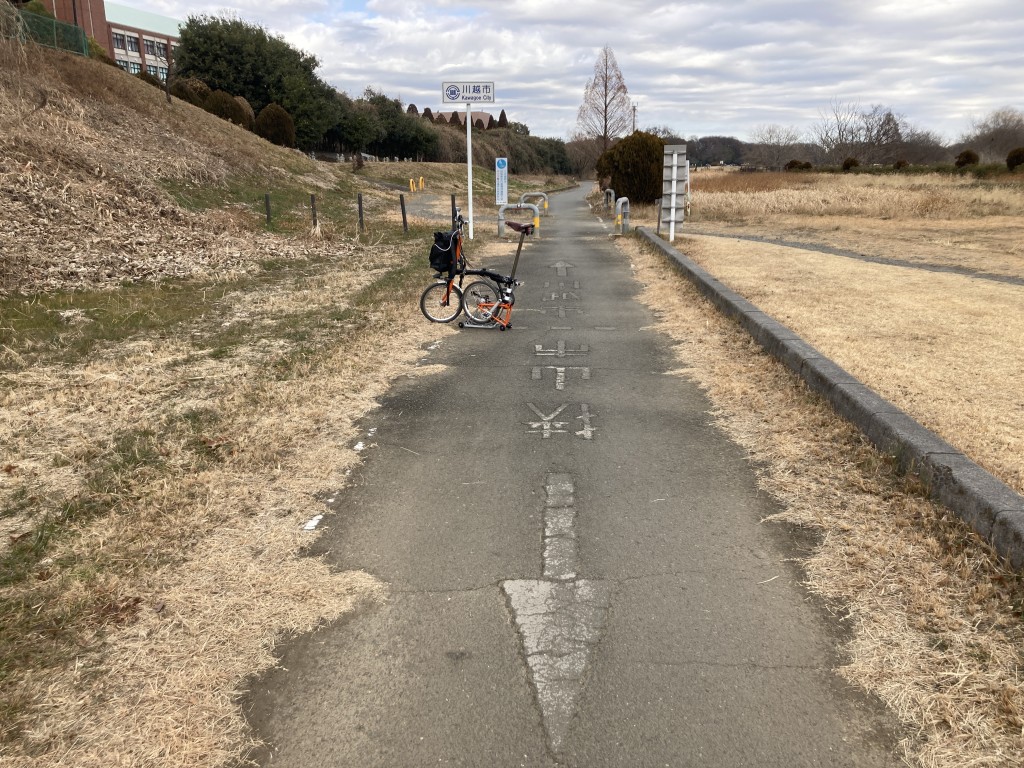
column 525, row 228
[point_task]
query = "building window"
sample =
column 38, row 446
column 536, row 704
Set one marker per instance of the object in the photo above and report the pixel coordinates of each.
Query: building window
column 151, row 69
column 122, row 64
column 161, row 50
column 163, row 73
column 149, row 46
column 119, row 41
column 134, row 67
column 133, row 44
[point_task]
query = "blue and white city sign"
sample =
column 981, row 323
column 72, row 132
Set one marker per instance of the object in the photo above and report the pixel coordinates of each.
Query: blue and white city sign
column 467, row 93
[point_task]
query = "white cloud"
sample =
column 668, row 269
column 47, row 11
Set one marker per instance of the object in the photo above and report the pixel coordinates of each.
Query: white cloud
column 699, row 67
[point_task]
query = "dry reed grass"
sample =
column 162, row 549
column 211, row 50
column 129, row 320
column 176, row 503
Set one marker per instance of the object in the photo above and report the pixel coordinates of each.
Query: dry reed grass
column 934, row 615
column 745, row 196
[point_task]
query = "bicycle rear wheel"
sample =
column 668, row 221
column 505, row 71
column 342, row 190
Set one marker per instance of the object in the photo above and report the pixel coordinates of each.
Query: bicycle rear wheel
column 481, row 301
column 441, row 303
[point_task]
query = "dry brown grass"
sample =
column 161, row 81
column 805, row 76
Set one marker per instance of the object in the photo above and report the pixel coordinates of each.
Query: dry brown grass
column 191, row 464
column 84, row 150
column 935, row 616
column 179, row 594
column 743, row 196
column 947, row 349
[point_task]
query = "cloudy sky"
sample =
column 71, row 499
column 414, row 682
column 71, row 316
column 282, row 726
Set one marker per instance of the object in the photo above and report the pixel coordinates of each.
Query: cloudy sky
column 699, row 68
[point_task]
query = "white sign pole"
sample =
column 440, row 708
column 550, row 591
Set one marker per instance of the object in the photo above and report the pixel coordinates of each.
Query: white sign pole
column 468, row 93
column 469, row 162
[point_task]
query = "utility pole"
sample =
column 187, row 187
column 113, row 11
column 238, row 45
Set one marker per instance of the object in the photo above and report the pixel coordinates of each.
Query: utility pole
column 634, row 117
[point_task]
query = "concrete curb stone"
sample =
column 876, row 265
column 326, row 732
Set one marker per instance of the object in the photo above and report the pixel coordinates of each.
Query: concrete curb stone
column 993, row 509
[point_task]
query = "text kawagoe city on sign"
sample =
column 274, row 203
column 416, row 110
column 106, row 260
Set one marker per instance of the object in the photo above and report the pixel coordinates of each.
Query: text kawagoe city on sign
column 467, row 93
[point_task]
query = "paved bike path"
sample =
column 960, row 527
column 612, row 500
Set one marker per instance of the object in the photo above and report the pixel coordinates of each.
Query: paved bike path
column 577, row 572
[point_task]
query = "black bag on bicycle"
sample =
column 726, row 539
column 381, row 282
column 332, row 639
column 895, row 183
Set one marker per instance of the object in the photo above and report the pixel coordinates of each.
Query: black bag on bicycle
column 445, row 253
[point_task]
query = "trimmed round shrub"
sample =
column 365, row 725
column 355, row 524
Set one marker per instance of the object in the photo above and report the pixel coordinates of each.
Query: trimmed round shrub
column 275, row 125
column 1015, row 159
column 850, row 163
column 965, row 158
column 807, row 166
column 794, row 165
column 250, row 115
column 191, row 89
column 223, row 105
column 899, row 165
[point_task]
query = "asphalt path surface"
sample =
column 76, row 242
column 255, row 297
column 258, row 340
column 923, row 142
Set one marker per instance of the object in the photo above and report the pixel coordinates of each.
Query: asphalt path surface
column 577, row 570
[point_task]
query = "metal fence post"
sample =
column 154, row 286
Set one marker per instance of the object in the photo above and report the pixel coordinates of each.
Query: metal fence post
column 405, row 221
column 359, row 198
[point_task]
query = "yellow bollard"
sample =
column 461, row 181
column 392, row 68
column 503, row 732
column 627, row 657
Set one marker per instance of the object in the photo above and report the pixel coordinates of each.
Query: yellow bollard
column 421, row 183
column 412, row 185
column 545, row 204
column 536, row 222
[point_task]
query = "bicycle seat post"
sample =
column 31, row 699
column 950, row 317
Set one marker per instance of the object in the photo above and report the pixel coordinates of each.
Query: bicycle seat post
column 515, row 263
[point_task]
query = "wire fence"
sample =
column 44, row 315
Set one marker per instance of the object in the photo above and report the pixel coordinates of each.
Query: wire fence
column 52, row 33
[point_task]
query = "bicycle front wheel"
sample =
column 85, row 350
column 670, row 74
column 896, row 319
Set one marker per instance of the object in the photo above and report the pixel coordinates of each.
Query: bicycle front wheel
column 481, row 301
column 441, row 302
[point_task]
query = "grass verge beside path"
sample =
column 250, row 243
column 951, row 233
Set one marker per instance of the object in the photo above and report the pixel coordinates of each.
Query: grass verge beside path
column 157, row 476
column 946, row 348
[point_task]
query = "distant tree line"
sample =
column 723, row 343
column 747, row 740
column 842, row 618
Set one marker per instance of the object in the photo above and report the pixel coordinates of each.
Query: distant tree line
column 239, row 71
column 847, row 135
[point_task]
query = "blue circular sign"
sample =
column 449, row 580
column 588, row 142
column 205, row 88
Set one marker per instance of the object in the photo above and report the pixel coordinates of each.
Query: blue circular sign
column 501, row 162
column 453, row 92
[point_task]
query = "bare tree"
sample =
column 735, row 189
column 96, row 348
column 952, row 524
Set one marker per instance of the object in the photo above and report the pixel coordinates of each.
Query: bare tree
column 668, row 134
column 839, row 131
column 772, row 145
column 875, row 135
column 606, row 112
column 883, row 135
column 922, row 147
column 996, row 134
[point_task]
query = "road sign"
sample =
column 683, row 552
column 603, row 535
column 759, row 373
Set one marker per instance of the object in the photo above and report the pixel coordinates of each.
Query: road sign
column 467, row 92
column 501, row 181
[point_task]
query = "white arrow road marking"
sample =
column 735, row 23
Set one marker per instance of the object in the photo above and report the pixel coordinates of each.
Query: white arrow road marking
column 560, row 267
column 559, row 619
